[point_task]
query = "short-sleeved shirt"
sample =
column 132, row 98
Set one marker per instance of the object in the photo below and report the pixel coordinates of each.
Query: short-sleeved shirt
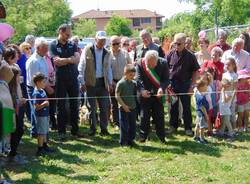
column 181, row 67
column 64, row 51
column 127, row 91
column 217, row 66
column 200, row 101
column 41, row 96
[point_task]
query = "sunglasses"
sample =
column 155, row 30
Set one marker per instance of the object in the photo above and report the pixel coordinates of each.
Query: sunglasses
column 125, row 44
column 28, row 48
column 118, row 43
column 178, row 44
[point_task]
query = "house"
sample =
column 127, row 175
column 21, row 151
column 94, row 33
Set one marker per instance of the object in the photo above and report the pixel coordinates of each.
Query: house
column 140, row 18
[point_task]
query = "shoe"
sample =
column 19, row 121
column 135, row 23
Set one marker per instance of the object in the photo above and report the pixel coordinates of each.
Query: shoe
column 92, row 133
column 104, row 133
column 5, row 182
column 163, row 140
column 171, row 130
column 77, row 135
column 62, row 137
column 41, row 152
column 197, row 139
column 48, row 149
column 132, row 144
column 142, row 140
column 203, row 141
column 18, row 159
column 189, row 132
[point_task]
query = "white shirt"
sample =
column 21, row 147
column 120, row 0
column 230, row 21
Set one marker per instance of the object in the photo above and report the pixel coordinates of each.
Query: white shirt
column 34, row 64
column 225, row 106
column 242, row 59
column 232, row 78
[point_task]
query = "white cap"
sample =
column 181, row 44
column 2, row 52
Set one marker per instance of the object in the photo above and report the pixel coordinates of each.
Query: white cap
column 101, row 35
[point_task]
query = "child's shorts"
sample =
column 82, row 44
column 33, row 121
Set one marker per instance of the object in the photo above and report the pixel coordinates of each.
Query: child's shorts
column 201, row 122
column 42, row 125
column 242, row 108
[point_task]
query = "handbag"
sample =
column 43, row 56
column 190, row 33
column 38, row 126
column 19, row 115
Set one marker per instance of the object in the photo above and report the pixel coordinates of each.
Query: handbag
column 217, row 123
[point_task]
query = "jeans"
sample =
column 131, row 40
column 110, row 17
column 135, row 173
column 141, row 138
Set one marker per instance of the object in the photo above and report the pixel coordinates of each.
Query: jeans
column 186, row 104
column 98, row 91
column 33, row 131
column 127, row 126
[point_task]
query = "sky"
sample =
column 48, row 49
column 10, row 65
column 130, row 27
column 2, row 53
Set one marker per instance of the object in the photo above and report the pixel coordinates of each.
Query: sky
column 166, row 8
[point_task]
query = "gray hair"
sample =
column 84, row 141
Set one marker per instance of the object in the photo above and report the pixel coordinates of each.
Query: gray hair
column 30, row 38
column 40, row 41
column 217, row 50
column 144, row 32
column 151, row 54
column 180, row 36
column 237, row 41
column 221, row 33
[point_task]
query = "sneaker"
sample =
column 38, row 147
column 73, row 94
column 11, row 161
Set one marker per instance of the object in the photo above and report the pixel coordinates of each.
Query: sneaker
column 171, row 130
column 48, row 149
column 104, row 133
column 18, row 159
column 41, row 152
column 203, row 141
column 197, row 139
column 189, row 132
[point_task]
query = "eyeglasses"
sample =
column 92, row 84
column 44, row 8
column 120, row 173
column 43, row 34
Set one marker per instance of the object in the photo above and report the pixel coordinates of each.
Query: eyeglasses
column 125, row 44
column 114, row 44
column 28, row 48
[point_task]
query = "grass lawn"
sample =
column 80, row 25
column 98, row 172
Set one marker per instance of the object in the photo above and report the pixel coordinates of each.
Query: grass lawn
column 102, row 160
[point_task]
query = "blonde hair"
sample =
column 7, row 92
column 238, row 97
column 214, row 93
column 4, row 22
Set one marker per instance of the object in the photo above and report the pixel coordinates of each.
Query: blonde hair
column 23, row 46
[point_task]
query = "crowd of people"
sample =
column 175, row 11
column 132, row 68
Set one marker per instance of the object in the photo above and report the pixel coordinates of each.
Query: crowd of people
column 49, row 82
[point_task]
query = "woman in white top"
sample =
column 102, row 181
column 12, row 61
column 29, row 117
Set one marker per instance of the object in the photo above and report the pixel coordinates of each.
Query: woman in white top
column 203, row 54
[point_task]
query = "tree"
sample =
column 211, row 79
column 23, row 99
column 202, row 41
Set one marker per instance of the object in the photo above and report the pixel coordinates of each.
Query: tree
column 118, row 26
column 41, row 18
column 85, row 28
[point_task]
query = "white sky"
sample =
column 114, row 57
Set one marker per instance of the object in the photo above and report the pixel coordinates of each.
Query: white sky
column 163, row 7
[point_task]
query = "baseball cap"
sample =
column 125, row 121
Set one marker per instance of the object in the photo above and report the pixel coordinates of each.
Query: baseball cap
column 101, row 35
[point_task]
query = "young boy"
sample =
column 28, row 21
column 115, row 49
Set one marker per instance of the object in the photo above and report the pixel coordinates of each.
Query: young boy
column 125, row 94
column 41, row 106
column 202, row 108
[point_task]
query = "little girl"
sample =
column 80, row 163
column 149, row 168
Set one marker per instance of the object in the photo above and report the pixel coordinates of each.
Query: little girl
column 243, row 100
column 232, row 77
column 226, row 98
column 214, row 86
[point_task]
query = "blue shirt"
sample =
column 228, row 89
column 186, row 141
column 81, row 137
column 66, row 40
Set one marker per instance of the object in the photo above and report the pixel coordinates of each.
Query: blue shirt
column 201, row 101
column 98, row 55
column 34, row 64
column 40, row 94
column 21, row 63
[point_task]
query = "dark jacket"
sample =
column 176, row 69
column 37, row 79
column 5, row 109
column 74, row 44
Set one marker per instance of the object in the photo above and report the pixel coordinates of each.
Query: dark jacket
column 144, row 82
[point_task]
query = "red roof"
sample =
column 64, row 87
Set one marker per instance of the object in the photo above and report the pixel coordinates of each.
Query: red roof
column 137, row 13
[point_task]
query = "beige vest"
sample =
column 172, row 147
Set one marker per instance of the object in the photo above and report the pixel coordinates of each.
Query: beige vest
column 90, row 70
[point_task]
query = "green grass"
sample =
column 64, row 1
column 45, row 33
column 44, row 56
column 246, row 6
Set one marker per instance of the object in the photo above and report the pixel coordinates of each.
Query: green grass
column 102, row 160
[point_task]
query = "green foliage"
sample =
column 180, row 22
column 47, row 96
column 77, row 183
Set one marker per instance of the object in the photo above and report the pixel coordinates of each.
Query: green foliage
column 85, row 28
column 40, row 18
column 118, row 25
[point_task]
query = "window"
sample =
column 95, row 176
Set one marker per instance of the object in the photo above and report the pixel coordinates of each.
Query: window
column 136, row 22
column 158, row 21
column 146, row 20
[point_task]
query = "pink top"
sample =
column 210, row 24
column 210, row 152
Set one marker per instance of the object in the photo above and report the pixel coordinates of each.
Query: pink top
column 243, row 97
column 51, row 71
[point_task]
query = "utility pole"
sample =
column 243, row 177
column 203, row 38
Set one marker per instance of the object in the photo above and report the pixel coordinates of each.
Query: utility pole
column 216, row 22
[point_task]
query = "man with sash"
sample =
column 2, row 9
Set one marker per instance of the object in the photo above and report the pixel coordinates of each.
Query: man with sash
column 152, row 79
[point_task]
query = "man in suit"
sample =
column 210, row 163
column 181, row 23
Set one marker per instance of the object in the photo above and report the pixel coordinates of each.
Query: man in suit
column 152, row 79
column 95, row 75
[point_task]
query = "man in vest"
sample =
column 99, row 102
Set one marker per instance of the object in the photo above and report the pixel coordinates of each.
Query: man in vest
column 152, row 80
column 95, row 75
